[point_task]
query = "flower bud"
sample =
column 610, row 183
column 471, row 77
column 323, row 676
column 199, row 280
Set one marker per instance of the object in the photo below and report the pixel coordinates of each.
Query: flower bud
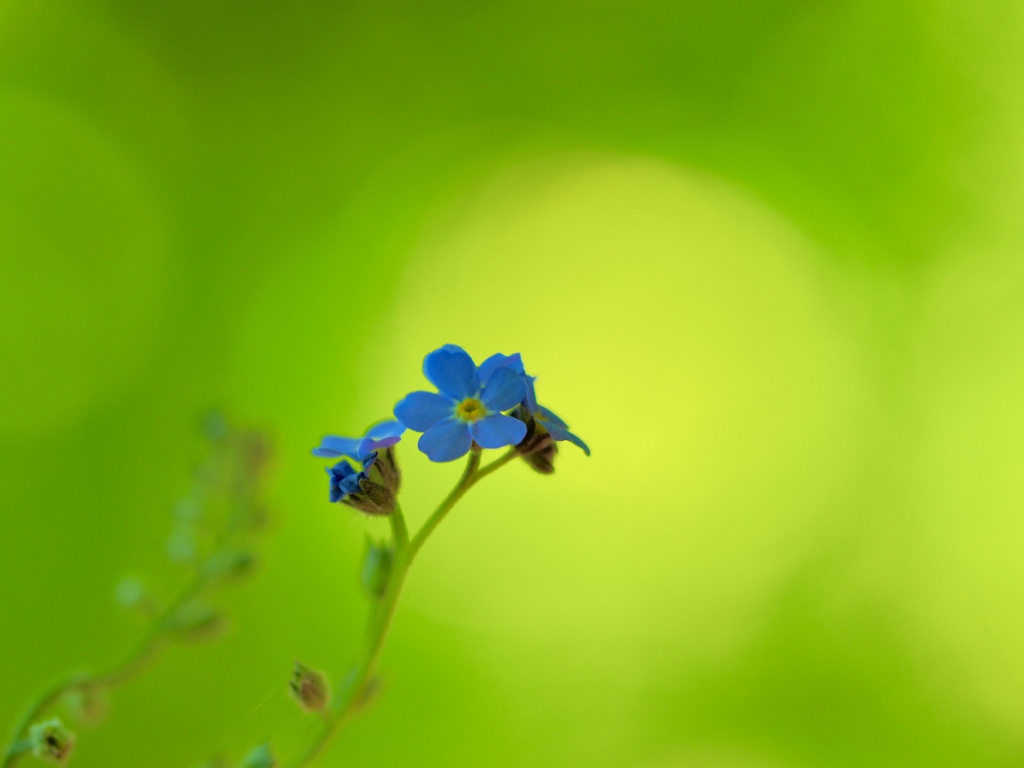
column 378, row 483
column 376, row 567
column 261, row 757
column 371, row 499
column 51, row 741
column 385, row 469
column 537, row 448
column 310, row 688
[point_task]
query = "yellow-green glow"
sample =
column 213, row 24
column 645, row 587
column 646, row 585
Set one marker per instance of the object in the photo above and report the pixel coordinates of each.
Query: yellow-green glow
column 764, row 257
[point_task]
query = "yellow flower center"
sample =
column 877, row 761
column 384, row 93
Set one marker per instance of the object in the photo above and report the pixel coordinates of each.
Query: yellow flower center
column 470, row 409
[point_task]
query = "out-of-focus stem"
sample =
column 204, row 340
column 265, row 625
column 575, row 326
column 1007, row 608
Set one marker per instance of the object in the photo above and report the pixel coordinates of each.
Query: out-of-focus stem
column 351, row 695
column 132, row 664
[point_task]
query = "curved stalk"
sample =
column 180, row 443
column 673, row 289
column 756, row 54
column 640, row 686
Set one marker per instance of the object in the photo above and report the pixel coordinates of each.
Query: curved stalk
column 359, row 683
column 132, row 664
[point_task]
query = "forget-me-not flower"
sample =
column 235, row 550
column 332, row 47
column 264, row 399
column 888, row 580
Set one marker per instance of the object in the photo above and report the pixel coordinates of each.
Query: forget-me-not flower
column 464, row 410
column 546, row 418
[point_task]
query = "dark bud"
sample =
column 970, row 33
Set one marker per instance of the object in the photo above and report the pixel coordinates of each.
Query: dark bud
column 379, row 487
column 310, row 688
column 51, row 741
column 538, row 448
column 376, row 567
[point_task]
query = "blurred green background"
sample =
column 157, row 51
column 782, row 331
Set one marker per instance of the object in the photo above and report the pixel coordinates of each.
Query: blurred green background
column 765, row 256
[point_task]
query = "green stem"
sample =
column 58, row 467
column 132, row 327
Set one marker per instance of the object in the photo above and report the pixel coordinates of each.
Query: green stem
column 133, row 663
column 398, row 529
column 470, row 477
column 349, row 698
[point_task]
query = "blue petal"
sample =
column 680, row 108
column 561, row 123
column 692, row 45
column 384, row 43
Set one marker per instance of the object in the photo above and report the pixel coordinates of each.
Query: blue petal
column 342, row 470
column 336, row 493
column 333, row 446
column 497, row 430
column 446, row 441
column 422, row 410
column 389, row 428
column 549, row 417
column 515, row 362
column 452, row 371
column 531, row 393
column 494, row 362
column 369, row 446
column 351, row 483
column 504, row 390
column 577, row 442
column 341, row 475
column 559, row 430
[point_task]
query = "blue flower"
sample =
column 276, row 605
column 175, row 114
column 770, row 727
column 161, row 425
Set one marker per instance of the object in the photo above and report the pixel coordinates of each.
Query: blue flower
column 371, row 489
column 555, row 426
column 383, row 435
column 463, row 410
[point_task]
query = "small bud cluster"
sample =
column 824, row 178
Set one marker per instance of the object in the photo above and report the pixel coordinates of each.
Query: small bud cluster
column 378, row 490
column 215, row 525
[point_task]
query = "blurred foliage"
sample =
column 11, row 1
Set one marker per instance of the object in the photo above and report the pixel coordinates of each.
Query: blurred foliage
column 764, row 256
